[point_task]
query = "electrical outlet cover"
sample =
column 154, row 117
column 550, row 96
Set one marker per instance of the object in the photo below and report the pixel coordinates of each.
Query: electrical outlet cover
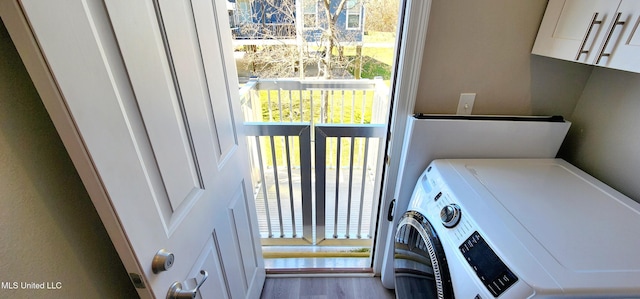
column 465, row 106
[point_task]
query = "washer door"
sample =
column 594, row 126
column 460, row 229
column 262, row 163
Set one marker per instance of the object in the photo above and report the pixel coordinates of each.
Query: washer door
column 421, row 269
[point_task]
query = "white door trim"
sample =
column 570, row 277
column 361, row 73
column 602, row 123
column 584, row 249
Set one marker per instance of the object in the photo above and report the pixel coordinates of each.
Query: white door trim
column 414, row 33
column 44, row 82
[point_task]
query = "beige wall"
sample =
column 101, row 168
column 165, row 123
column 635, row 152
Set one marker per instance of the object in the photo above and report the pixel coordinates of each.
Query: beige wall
column 49, row 230
column 484, row 47
column 604, row 139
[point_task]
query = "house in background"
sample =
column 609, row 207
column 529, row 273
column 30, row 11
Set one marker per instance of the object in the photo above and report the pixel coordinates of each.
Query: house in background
column 283, row 20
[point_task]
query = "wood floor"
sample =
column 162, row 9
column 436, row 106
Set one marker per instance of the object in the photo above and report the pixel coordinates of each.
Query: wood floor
column 325, row 288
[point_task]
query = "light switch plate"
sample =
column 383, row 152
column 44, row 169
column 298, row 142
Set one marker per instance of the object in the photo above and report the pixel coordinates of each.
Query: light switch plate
column 465, row 106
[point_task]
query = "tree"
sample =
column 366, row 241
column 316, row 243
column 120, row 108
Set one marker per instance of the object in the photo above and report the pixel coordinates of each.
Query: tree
column 286, row 49
column 272, row 23
column 330, row 35
column 382, row 15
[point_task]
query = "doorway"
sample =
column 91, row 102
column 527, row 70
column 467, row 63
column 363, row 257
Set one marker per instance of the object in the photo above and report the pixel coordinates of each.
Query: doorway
column 317, row 110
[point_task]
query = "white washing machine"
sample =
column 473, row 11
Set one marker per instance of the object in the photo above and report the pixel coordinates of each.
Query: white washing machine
column 516, row 228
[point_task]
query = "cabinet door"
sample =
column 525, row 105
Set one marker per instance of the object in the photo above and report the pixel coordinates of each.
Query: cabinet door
column 574, row 29
column 622, row 51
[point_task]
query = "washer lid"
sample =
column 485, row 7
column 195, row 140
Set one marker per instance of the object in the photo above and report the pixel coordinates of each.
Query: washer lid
column 585, row 225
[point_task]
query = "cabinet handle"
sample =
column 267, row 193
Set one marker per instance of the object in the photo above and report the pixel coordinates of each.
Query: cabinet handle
column 606, row 42
column 586, row 36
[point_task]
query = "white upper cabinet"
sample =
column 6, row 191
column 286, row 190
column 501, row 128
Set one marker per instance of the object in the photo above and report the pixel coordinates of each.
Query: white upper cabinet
column 598, row 32
column 623, row 50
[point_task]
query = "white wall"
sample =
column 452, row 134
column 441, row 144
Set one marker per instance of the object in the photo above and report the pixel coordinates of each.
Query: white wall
column 49, row 229
column 605, row 139
column 484, row 47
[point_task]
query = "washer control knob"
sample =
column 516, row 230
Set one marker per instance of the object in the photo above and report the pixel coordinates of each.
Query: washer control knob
column 450, row 215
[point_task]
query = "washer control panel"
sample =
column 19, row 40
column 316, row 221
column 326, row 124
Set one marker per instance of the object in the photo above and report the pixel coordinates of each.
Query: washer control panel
column 442, row 206
column 450, row 215
column 493, row 273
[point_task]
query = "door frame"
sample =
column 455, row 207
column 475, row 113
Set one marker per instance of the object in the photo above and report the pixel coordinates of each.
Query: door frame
column 404, row 88
column 409, row 61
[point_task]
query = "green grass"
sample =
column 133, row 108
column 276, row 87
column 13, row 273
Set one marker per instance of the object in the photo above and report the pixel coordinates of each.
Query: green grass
column 379, row 37
column 372, row 68
column 375, row 62
column 341, row 106
column 364, row 249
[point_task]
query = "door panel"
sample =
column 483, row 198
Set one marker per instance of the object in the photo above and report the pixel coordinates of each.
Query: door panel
column 167, row 101
column 216, row 285
column 210, row 34
column 163, row 108
column 241, row 224
column 183, row 44
column 193, row 38
column 159, row 121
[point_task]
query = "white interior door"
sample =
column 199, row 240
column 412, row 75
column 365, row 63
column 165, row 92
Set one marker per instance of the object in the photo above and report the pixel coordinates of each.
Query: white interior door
column 152, row 91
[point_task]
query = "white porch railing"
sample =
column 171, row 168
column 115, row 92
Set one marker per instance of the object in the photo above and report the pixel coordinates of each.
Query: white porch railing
column 316, row 158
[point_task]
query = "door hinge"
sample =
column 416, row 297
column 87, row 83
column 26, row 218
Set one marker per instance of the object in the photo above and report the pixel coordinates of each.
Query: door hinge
column 387, row 159
column 137, row 280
